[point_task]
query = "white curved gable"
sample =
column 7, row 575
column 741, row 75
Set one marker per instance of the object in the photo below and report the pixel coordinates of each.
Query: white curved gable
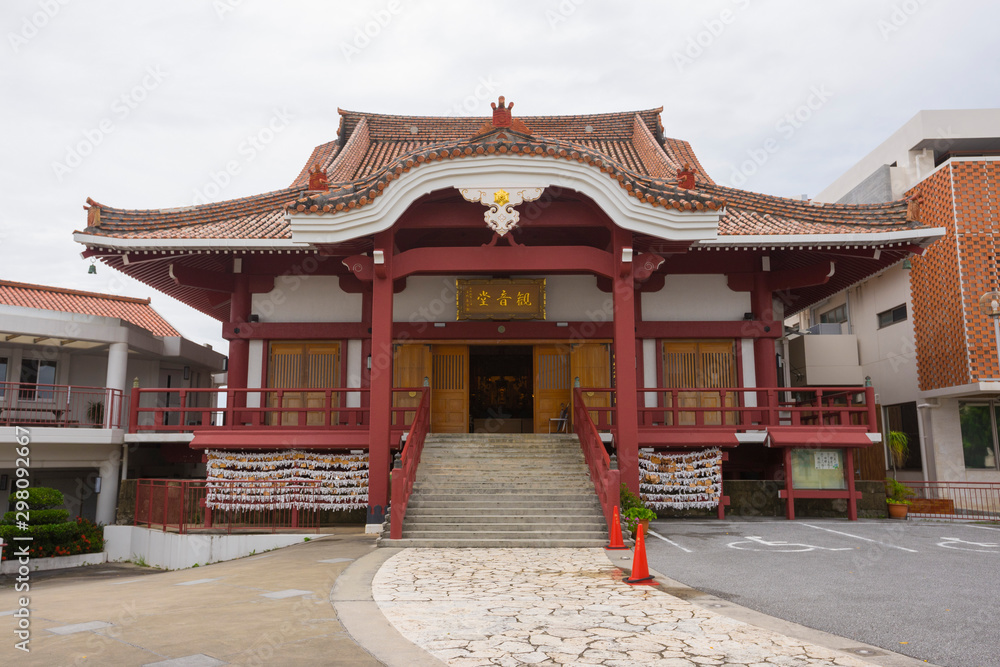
column 504, row 171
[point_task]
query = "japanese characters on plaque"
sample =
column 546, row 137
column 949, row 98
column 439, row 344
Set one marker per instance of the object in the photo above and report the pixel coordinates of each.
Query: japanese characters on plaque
column 501, row 299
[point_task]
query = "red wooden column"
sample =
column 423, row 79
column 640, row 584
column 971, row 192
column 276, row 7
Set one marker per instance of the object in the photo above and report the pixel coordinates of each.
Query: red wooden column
column 381, row 383
column 627, row 413
column 239, row 348
column 765, row 367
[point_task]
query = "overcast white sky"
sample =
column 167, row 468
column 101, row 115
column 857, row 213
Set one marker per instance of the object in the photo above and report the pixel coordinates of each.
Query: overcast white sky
column 139, row 103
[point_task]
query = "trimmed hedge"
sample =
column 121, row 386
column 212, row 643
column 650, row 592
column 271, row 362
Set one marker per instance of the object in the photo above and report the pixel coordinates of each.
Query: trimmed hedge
column 38, row 497
column 37, row 517
column 51, row 534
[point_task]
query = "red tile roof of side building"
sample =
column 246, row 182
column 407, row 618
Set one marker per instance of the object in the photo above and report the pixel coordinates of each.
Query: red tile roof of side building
column 42, row 297
column 372, row 150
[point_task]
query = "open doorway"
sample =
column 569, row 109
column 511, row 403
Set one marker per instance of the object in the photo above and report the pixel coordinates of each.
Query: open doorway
column 500, row 389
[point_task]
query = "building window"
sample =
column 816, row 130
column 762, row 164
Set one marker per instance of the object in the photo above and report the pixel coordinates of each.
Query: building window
column 835, row 316
column 903, row 417
column 891, row 316
column 979, row 434
column 35, row 372
column 3, row 376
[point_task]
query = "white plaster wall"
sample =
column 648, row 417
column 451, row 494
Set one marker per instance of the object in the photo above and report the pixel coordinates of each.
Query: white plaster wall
column 749, row 371
column 888, row 355
column 576, row 299
column 649, row 378
column 353, row 362
column 88, row 370
column 310, row 299
column 690, row 297
column 175, row 552
column 425, row 299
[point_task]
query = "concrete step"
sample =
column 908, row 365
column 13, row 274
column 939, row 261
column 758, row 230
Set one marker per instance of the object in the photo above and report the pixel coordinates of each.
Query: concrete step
column 510, row 523
column 536, row 543
column 504, row 534
column 576, row 510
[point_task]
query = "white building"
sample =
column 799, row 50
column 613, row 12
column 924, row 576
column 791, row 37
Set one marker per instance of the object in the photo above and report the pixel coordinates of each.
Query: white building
column 922, row 337
column 68, row 360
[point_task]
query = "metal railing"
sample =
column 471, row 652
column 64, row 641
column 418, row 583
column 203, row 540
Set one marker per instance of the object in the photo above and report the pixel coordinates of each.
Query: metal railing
column 66, row 406
column 404, row 470
column 606, row 481
column 186, row 410
column 184, row 506
column 967, row 501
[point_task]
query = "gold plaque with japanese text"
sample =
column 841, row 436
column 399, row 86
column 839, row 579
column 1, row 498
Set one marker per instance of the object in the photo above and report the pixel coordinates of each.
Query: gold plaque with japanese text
column 501, row 299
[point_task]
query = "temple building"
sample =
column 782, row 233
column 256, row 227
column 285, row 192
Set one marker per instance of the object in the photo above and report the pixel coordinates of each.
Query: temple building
column 515, row 274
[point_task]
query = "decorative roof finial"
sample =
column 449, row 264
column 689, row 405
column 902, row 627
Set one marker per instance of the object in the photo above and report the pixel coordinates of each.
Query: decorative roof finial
column 685, row 177
column 501, row 113
column 317, row 178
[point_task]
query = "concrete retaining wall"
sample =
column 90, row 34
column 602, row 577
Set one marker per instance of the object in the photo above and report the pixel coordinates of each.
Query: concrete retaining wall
column 55, row 563
column 175, row 552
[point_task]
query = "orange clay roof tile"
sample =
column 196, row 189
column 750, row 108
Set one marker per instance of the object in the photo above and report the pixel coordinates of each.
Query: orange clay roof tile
column 42, row 297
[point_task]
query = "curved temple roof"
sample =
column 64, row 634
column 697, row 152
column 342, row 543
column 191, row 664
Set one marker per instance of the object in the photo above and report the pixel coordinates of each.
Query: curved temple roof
column 373, row 150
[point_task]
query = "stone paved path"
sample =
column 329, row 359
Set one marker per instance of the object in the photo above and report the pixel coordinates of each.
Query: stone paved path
column 472, row 607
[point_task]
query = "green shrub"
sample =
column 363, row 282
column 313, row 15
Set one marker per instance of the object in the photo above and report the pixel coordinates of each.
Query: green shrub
column 897, row 492
column 37, row 517
column 51, row 533
column 39, row 497
column 629, row 500
column 634, row 515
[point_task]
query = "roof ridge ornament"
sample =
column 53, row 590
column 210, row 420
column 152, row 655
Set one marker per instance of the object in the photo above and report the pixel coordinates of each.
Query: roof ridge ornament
column 501, row 114
column 685, row 177
column 501, row 216
column 318, row 179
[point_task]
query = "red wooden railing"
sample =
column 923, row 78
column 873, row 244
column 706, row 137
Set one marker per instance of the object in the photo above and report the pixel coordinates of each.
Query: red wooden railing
column 404, row 470
column 969, row 501
column 606, row 481
column 68, row 406
column 800, row 406
column 187, row 410
column 179, row 505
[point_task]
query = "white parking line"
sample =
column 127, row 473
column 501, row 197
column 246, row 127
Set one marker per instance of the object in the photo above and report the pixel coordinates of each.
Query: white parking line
column 983, row 527
column 858, row 537
column 670, row 542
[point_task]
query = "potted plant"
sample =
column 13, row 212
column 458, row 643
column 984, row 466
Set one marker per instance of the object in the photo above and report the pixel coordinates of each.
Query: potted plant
column 634, row 511
column 897, row 497
column 638, row 516
column 95, row 413
column 899, row 449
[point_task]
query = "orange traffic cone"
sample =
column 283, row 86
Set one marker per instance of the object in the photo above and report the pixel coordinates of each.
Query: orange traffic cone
column 640, row 570
column 615, row 532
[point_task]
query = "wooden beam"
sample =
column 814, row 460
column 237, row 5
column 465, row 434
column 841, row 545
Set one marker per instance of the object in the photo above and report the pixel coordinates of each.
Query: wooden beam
column 503, row 259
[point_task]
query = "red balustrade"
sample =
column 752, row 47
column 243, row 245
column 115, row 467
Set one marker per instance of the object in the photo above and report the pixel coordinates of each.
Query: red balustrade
column 607, row 482
column 187, row 410
column 65, row 406
column 404, row 471
column 753, row 408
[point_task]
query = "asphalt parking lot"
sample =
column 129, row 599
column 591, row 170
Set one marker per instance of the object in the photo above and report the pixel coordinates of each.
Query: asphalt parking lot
column 926, row 589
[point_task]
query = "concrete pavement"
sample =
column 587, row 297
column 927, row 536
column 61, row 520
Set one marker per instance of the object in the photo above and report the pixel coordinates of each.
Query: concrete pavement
column 337, row 600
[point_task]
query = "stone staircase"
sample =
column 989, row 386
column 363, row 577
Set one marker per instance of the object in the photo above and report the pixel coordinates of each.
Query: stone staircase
column 502, row 490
